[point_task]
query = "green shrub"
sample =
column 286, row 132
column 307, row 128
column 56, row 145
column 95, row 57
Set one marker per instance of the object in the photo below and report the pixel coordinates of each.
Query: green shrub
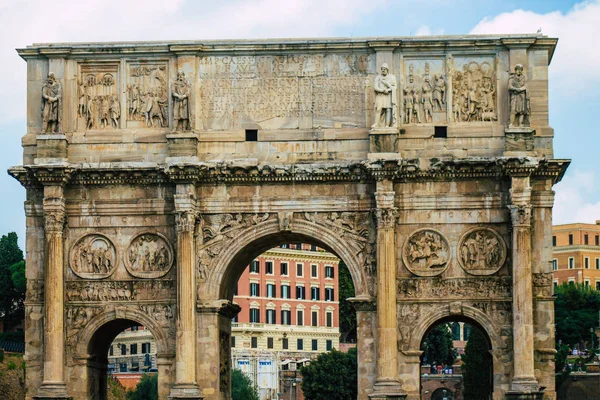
column 12, row 365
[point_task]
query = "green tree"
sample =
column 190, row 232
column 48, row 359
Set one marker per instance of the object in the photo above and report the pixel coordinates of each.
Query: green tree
column 332, row 376
column 347, row 313
column 11, row 298
column 242, row 387
column 146, row 389
column 438, row 347
column 575, row 313
column 477, row 367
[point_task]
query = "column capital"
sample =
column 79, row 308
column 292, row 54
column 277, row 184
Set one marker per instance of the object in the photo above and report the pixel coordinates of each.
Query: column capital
column 520, row 215
column 55, row 216
column 186, row 220
column 386, row 217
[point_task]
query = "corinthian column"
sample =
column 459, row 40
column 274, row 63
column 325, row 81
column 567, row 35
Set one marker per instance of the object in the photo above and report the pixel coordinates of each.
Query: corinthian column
column 185, row 358
column 523, row 380
column 387, row 385
column 53, row 385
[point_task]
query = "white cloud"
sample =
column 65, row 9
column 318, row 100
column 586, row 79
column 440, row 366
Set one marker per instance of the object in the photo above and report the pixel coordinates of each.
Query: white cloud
column 425, row 30
column 570, row 204
column 576, row 60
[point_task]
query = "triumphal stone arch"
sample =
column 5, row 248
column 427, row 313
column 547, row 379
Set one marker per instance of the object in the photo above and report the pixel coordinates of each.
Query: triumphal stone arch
column 156, row 171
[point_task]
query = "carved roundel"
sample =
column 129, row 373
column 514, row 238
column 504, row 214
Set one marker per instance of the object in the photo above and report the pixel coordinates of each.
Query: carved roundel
column 93, row 256
column 426, row 252
column 481, row 251
column 149, row 255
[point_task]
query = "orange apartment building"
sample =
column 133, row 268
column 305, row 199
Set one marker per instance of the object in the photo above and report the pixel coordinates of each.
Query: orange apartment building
column 576, row 254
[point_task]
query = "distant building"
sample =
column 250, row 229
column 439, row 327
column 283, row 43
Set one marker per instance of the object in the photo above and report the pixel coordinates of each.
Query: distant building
column 576, row 254
column 132, row 353
column 290, row 313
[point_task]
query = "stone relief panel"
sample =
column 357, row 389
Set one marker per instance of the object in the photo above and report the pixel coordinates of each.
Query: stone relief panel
column 408, row 318
column 481, row 287
column 424, row 94
column 93, row 256
column 164, row 314
column 542, row 284
column 35, row 291
column 426, row 252
column 114, row 291
column 474, row 90
column 98, row 104
column 77, row 318
column 149, row 255
column 147, row 95
column 481, row 251
column 284, row 92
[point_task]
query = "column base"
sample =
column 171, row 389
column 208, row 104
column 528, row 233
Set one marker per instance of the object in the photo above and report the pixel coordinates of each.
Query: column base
column 185, row 391
column 387, row 390
column 53, row 391
column 514, row 395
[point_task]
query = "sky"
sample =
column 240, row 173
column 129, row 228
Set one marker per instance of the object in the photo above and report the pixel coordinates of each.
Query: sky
column 574, row 72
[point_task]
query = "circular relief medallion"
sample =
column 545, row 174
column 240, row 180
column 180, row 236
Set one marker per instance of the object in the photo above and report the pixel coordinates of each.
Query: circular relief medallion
column 93, row 256
column 481, row 251
column 426, row 252
column 149, row 255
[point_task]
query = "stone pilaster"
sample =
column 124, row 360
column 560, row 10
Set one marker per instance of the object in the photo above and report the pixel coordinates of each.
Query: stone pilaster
column 387, row 385
column 185, row 357
column 53, row 385
column 523, row 380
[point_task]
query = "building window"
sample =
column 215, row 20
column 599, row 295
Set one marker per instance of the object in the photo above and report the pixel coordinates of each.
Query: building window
column 315, row 293
column 285, row 344
column 286, row 317
column 555, row 284
column 554, row 241
column 254, row 342
column 111, row 351
column 298, row 246
column 123, row 350
column 284, row 246
column 328, row 294
column 254, row 289
column 586, row 262
column 555, row 265
column 123, row 367
column 254, row 315
column 314, row 269
column 597, row 240
column 329, row 345
column 329, row 272
column 299, row 269
column 300, row 344
column 315, row 345
column 255, row 267
column 329, row 319
column 133, row 348
column 271, row 317
column 571, row 281
column 233, row 341
column 299, row 317
column 315, row 318
column 269, row 267
column 269, row 343
column 571, row 263
column 586, row 283
column 284, row 269
column 313, row 247
column 285, row 292
column 597, row 263
column 300, row 293
column 570, row 239
column 586, row 239
column 271, row 290
column 597, row 285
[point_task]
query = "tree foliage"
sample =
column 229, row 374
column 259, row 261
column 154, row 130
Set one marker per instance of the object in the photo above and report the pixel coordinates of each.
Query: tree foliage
column 332, row 376
column 438, row 347
column 146, row 389
column 242, row 387
column 477, row 367
column 11, row 297
column 347, row 313
column 576, row 312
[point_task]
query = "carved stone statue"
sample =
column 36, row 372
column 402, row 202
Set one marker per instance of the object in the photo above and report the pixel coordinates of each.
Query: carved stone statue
column 481, row 252
column 115, row 111
column 52, row 105
column 385, row 99
column 426, row 253
column 520, row 108
column 181, row 98
column 427, row 100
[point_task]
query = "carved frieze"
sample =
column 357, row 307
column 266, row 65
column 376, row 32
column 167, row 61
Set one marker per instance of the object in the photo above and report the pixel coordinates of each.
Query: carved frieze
column 408, row 318
column 481, row 287
column 148, row 95
column 112, row 291
column 93, row 256
column 77, row 317
column 163, row 314
column 499, row 312
column 424, row 92
column 481, row 251
column 149, row 255
column 474, row 90
column 99, row 106
column 426, row 252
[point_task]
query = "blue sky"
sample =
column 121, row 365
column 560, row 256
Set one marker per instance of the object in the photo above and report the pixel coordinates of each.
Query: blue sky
column 574, row 73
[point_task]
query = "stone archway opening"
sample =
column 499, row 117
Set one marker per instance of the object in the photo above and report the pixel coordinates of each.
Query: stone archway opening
column 452, row 349
column 120, row 352
column 287, row 287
